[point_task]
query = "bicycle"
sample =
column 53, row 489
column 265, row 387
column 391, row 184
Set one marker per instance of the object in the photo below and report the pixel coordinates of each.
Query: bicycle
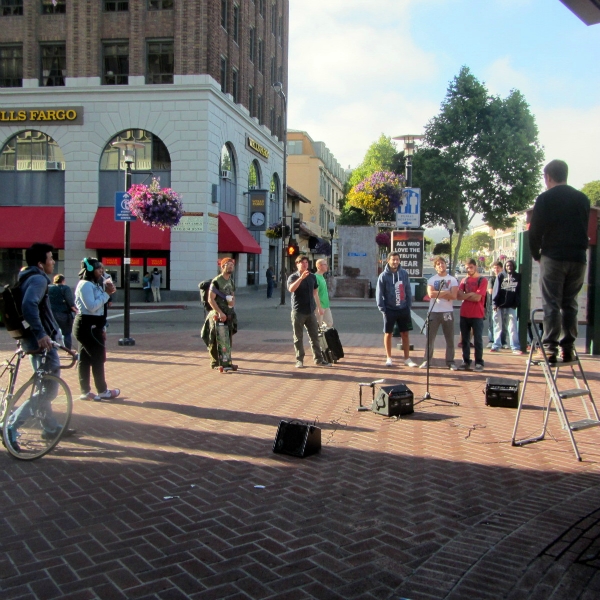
column 32, row 422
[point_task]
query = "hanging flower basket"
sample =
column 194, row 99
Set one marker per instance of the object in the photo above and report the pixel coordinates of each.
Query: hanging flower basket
column 155, row 206
column 383, row 239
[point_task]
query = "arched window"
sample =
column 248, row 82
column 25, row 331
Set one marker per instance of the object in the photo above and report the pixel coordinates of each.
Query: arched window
column 153, row 160
column 32, row 171
column 254, row 175
column 227, row 180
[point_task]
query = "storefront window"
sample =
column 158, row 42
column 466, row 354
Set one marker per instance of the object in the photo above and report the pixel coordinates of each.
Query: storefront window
column 254, row 176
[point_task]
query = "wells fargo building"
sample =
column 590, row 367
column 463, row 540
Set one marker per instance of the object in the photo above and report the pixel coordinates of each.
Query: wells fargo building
column 190, row 80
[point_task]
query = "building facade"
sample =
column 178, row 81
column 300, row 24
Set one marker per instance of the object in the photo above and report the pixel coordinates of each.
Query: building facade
column 190, row 81
column 313, row 171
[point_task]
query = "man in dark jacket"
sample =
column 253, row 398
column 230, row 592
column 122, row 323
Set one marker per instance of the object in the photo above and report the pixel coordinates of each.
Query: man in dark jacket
column 558, row 239
column 41, row 332
column 506, row 298
column 394, row 300
column 305, row 301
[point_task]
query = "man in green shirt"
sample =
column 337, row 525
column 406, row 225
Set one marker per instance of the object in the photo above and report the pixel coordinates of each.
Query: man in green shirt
column 326, row 317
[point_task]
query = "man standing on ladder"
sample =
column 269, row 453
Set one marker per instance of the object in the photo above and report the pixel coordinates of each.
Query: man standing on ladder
column 558, row 239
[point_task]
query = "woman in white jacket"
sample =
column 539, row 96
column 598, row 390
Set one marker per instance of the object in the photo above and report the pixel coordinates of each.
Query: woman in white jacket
column 91, row 296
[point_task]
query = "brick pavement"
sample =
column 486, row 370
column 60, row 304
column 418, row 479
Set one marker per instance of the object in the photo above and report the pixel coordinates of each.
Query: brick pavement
column 436, row 505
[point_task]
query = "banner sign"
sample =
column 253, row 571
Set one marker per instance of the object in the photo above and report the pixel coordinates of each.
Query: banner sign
column 409, row 245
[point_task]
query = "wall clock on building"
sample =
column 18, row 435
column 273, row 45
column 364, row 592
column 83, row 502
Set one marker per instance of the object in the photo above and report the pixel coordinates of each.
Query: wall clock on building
column 257, row 219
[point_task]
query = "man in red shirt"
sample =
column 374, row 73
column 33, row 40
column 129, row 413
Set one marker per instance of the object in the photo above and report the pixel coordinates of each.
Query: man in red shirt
column 472, row 291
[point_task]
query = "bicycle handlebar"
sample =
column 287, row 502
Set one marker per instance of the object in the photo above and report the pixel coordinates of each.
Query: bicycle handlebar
column 72, row 353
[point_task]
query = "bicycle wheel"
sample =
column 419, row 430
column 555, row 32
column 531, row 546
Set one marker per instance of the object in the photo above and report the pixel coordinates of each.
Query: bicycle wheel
column 37, row 416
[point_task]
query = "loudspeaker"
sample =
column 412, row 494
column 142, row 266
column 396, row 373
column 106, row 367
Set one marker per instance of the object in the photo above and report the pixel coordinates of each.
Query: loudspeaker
column 297, row 439
column 393, row 401
column 502, row 392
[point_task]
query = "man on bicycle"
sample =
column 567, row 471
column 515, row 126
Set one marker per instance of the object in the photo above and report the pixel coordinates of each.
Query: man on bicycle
column 42, row 331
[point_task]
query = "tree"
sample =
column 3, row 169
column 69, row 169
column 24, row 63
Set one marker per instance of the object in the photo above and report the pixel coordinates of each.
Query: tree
column 379, row 157
column 441, row 248
column 592, row 191
column 474, row 245
column 481, row 156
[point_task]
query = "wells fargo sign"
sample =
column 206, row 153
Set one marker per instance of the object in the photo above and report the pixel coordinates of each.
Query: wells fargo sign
column 70, row 115
column 254, row 145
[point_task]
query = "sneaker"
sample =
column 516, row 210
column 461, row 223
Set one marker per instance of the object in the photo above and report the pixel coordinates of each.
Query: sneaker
column 50, row 435
column 107, row 395
column 505, row 346
column 518, row 352
column 490, row 345
column 452, row 367
column 89, row 396
column 322, row 363
column 423, row 365
column 409, row 362
column 299, row 364
column 479, row 367
column 464, row 367
column 567, row 356
column 538, row 356
column 388, row 362
column 494, row 349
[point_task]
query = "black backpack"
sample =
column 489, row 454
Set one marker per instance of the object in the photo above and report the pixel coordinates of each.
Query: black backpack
column 204, row 288
column 11, row 310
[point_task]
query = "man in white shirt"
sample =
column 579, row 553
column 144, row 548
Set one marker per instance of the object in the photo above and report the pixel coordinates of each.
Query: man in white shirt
column 442, row 289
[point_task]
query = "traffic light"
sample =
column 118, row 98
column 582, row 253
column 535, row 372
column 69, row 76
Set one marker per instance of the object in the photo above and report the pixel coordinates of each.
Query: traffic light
column 295, row 225
column 293, row 250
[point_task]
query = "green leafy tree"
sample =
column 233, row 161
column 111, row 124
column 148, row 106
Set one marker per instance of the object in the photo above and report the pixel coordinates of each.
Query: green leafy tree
column 442, row 248
column 379, row 157
column 481, row 156
column 473, row 245
column 592, row 191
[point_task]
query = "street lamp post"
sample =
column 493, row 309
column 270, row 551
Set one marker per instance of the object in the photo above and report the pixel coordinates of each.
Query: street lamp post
column 331, row 228
column 278, row 87
column 451, row 231
column 128, row 150
column 409, row 149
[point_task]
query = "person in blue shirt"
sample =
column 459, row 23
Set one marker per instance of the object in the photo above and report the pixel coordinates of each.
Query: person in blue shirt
column 394, row 300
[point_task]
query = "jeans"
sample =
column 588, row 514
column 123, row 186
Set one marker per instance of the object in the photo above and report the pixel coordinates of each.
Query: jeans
column 446, row 320
column 476, row 325
column 270, row 286
column 300, row 320
column 92, row 352
column 505, row 319
column 65, row 322
column 40, row 402
column 560, row 282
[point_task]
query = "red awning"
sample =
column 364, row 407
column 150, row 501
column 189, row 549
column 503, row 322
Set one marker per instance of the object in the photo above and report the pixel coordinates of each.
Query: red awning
column 108, row 234
column 21, row 226
column 234, row 237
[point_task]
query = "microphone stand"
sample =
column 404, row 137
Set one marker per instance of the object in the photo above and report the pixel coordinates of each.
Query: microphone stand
column 427, row 325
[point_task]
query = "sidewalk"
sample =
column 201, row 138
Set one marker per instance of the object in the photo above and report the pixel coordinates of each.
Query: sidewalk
column 174, row 492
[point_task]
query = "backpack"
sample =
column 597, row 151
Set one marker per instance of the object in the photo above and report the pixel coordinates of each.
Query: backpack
column 204, row 288
column 11, row 310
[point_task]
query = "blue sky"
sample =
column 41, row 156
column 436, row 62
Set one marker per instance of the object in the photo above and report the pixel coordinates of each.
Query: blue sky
column 359, row 68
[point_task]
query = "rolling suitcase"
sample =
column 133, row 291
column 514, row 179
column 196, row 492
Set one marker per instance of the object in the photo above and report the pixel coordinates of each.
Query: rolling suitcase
column 330, row 344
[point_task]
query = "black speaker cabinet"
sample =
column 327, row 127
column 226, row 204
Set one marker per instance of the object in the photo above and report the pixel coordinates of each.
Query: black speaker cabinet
column 297, row 439
column 393, row 401
column 502, row 392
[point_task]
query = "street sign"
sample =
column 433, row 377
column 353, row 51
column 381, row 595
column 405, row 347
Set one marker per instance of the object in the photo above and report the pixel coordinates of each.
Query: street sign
column 122, row 212
column 409, row 214
column 409, row 245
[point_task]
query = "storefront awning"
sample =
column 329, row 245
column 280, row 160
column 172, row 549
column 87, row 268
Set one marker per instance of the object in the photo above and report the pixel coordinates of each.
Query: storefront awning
column 21, row 226
column 234, row 237
column 108, row 234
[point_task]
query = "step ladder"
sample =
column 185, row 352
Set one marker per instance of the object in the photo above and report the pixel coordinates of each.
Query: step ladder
column 557, row 396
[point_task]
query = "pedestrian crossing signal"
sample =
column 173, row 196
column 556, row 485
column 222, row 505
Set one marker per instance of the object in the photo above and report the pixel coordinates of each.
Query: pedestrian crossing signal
column 293, row 250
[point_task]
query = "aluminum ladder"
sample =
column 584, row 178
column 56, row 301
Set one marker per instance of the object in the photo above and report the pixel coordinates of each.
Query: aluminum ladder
column 557, row 396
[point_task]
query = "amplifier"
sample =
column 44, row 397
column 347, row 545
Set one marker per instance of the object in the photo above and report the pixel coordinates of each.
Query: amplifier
column 297, row 439
column 502, row 392
column 393, row 401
